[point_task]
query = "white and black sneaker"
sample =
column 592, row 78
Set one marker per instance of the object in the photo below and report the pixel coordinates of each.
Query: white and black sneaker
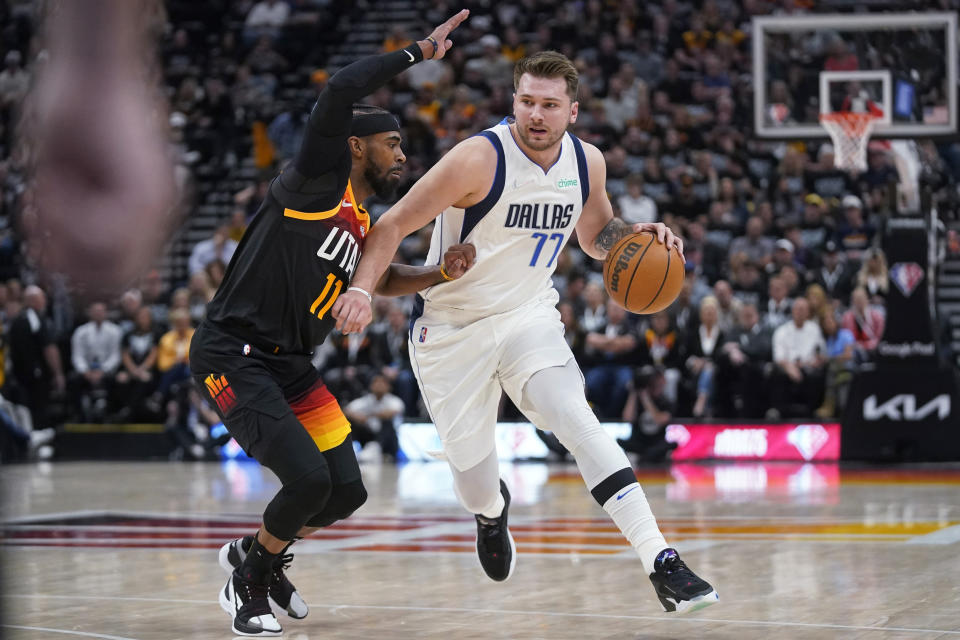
column 246, row 603
column 283, row 596
column 678, row 588
column 495, row 546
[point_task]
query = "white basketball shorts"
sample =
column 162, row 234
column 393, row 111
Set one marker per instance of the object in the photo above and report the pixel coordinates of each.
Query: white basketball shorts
column 463, row 370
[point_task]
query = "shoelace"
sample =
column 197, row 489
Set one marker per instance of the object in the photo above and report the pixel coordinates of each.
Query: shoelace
column 255, row 599
column 678, row 574
column 491, row 534
column 281, row 564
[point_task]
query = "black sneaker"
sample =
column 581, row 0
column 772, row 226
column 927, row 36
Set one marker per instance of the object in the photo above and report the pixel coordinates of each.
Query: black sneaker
column 678, row 588
column 284, row 597
column 246, row 603
column 495, row 546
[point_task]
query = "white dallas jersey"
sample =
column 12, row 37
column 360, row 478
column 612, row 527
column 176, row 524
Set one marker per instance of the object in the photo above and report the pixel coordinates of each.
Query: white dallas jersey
column 518, row 229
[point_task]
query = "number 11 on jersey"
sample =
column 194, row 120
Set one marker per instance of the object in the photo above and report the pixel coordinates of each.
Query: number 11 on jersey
column 331, row 281
column 541, row 240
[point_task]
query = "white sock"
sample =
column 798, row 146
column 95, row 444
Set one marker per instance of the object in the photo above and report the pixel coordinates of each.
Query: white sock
column 496, row 509
column 632, row 515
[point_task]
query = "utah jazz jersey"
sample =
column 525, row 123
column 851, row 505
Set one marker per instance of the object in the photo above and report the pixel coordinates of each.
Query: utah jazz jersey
column 519, row 229
column 287, row 272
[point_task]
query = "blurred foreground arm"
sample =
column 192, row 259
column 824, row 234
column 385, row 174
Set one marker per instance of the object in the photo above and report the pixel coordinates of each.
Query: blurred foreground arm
column 103, row 181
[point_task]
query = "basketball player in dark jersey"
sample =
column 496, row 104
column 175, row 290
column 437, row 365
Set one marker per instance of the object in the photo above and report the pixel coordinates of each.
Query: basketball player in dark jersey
column 251, row 355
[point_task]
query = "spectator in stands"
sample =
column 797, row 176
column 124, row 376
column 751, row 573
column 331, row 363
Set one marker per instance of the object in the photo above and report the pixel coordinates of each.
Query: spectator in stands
column 350, row 366
column 173, row 350
column 815, row 227
column 96, row 357
column 865, row 322
column 728, row 306
column 746, row 280
column 14, row 81
column 219, row 247
column 266, row 18
column 611, row 351
column 854, row 234
column 797, row 382
column 873, row 276
column 199, row 293
column 619, row 105
column 391, row 358
column 783, row 255
column 662, row 347
column 594, row 316
column 820, row 304
column 137, row 379
column 778, row 306
column 249, row 199
column 374, row 416
column 155, row 297
column 572, row 333
column 649, row 410
column 492, row 66
column 286, row 131
column 34, row 357
column 840, row 346
column 215, row 271
column 702, row 348
column 130, row 303
column 742, row 366
column 396, row 39
column 757, row 247
column 648, row 63
column 834, row 275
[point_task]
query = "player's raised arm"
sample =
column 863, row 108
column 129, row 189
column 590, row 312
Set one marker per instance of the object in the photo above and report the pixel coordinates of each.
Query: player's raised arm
column 461, row 178
column 598, row 230
column 325, row 140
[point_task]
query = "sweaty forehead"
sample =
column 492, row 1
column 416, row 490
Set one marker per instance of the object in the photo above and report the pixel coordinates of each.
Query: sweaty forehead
column 536, row 87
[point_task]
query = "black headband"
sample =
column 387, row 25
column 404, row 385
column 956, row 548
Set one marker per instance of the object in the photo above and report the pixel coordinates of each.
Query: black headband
column 367, row 124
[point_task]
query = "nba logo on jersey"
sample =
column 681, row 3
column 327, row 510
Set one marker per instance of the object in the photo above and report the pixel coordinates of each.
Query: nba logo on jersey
column 423, row 334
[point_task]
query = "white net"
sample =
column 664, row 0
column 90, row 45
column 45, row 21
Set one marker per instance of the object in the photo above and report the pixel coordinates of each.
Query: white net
column 850, row 132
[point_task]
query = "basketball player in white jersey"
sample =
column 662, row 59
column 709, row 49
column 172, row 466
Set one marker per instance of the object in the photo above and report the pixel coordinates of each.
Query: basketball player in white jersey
column 517, row 192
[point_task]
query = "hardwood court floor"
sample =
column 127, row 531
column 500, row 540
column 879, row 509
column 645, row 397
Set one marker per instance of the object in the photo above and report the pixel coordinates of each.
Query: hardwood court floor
column 128, row 552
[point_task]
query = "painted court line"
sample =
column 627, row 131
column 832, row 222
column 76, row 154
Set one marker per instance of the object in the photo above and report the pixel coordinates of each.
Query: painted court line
column 65, row 631
column 693, row 619
column 948, row 535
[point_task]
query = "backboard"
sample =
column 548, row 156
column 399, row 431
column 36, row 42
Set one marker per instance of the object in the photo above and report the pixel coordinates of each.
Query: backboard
column 903, row 65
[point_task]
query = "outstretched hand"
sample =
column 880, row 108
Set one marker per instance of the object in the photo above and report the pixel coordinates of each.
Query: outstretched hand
column 458, row 258
column 440, row 34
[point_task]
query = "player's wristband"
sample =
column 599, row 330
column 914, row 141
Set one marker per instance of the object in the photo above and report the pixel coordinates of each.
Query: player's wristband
column 436, row 46
column 443, row 273
column 363, row 291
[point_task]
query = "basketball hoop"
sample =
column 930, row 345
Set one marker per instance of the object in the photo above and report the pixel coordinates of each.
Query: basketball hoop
column 850, row 132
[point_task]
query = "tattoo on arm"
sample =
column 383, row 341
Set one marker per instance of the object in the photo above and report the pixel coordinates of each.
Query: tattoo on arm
column 610, row 234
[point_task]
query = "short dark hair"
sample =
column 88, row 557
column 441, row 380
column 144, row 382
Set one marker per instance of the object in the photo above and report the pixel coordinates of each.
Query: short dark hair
column 548, row 64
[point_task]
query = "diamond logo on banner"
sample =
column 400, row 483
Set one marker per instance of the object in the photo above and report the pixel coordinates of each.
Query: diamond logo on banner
column 808, row 439
column 906, row 275
column 677, row 433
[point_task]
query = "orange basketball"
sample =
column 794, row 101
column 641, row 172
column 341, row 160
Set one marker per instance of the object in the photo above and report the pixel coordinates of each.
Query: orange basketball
column 641, row 275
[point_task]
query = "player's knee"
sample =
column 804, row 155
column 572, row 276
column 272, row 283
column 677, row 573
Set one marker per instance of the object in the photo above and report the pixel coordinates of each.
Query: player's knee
column 314, row 489
column 573, row 422
column 344, row 500
column 347, row 498
column 296, row 502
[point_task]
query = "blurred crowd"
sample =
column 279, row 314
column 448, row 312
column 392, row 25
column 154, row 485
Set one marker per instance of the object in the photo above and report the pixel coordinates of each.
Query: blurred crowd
column 785, row 282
